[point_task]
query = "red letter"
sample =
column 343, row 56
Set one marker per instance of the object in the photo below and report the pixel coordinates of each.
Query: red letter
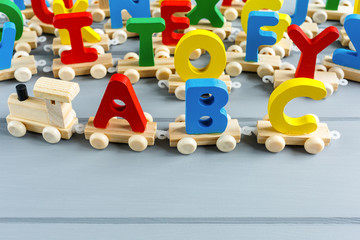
column 120, row 88
column 73, row 22
column 172, row 23
column 310, row 48
column 226, row 3
column 43, row 13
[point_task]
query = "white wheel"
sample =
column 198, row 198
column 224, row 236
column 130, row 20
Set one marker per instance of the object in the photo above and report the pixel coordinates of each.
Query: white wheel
column 339, row 72
column 265, row 70
column 314, row 145
column 162, row 54
column 180, row 92
column 346, row 3
column 17, row 129
column 220, row 32
column 20, row 54
column 162, row 49
column 235, row 49
column 342, row 19
column 351, row 46
column 98, row 15
column 99, row 31
column 120, row 35
column 187, row 145
column 51, row 134
column 279, row 51
column 64, row 48
column 180, row 118
column 287, row 66
column 56, row 32
column 99, row 141
column 66, row 73
column 195, row 54
column 308, row 19
column 231, row 14
column 275, row 144
column 234, row 69
column 267, row 51
column 156, row 13
column 23, row 46
column 98, row 71
column 163, row 73
column 320, row 68
column 138, row 143
column 148, row 117
column 320, row 17
column 131, row 56
column 36, row 27
column 189, row 29
column 329, row 90
column 243, row 46
column 22, row 74
column 226, row 143
column 308, row 33
column 133, row 75
column 99, row 49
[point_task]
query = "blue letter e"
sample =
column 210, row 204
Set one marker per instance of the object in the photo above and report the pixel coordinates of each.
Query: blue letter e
column 205, row 101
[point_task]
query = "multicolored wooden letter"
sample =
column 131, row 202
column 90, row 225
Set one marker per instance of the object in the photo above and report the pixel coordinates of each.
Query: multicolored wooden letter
column 206, row 40
column 332, row 5
column 14, row 15
column 42, row 12
column 136, row 8
column 310, row 48
column 74, row 22
column 172, row 23
column 206, row 114
column 7, row 45
column 257, row 37
column 206, row 9
column 282, row 95
column 300, row 12
column 120, row 88
column 145, row 27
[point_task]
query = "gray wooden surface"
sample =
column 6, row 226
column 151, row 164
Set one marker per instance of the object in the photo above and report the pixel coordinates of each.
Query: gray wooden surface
column 71, row 191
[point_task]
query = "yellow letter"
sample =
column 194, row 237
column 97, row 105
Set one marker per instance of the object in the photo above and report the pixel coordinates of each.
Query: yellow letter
column 206, row 40
column 275, row 5
column 289, row 90
column 89, row 35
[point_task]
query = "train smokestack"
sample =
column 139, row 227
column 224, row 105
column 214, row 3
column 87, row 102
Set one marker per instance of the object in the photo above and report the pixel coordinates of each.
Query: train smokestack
column 22, row 92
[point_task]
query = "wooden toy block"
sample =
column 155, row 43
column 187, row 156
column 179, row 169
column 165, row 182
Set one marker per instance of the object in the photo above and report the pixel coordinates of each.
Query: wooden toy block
column 204, row 24
column 120, row 31
column 97, row 69
column 39, row 27
column 28, row 12
column 27, row 42
column 177, row 86
column 330, row 79
column 344, row 38
column 285, row 45
column 234, row 11
column 320, row 15
column 119, row 131
column 104, row 44
column 22, row 69
column 348, row 73
column 187, row 143
column 266, row 65
column 275, row 141
column 99, row 10
column 311, row 29
column 129, row 66
column 49, row 112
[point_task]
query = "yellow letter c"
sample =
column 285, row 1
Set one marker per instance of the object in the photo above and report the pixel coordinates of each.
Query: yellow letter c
column 202, row 39
column 282, row 95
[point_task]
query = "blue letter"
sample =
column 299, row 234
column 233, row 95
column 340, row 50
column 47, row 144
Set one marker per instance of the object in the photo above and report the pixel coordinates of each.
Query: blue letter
column 205, row 101
column 7, row 45
column 346, row 57
column 136, row 8
column 257, row 37
column 20, row 4
column 300, row 12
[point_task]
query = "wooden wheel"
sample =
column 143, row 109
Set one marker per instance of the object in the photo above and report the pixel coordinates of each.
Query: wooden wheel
column 138, row 143
column 314, row 145
column 180, row 92
column 275, row 144
column 226, row 143
column 17, row 129
column 51, row 135
column 22, row 74
column 187, row 145
column 67, row 73
column 99, row 141
column 98, row 71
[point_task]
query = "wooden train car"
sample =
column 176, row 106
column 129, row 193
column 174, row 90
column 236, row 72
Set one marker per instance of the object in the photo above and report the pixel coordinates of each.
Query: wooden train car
column 231, row 13
column 320, row 15
column 28, row 41
column 22, row 68
column 348, row 73
column 49, row 112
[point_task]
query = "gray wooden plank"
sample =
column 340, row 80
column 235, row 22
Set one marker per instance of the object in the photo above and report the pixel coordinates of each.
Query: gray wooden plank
column 71, row 179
